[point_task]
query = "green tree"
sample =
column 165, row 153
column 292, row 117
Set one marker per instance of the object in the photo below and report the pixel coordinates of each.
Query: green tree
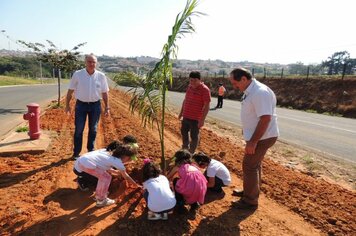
column 62, row 60
column 149, row 96
column 297, row 68
column 335, row 63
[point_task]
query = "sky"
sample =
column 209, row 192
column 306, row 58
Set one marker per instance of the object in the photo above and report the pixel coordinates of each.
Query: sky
column 265, row 31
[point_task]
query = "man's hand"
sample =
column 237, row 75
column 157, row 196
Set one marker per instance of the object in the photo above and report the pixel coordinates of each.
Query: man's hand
column 200, row 124
column 250, row 147
column 67, row 110
column 107, row 111
column 180, row 116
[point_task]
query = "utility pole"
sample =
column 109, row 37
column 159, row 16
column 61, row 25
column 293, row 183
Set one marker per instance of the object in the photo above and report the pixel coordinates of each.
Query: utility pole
column 41, row 72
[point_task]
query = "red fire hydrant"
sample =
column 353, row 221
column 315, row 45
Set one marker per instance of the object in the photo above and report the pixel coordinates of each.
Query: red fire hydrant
column 33, row 117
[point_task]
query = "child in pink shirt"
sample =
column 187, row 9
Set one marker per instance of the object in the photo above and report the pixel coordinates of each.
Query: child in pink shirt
column 191, row 185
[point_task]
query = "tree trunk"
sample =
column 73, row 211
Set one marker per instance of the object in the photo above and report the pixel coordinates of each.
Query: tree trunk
column 163, row 159
column 59, row 88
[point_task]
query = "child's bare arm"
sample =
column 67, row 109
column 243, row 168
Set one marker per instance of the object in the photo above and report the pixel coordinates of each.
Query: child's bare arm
column 172, row 173
column 128, row 178
column 114, row 172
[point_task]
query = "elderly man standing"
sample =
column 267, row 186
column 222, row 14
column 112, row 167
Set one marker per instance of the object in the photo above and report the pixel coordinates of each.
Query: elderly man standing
column 195, row 107
column 89, row 86
column 260, row 131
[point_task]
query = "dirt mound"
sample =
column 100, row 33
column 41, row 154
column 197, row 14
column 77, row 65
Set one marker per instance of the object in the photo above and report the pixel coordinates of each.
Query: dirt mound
column 39, row 195
column 322, row 95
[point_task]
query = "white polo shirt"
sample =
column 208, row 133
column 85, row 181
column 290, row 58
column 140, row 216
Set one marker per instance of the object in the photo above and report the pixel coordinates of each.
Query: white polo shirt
column 98, row 159
column 160, row 195
column 218, row 169
column 88, row 88
column 258, row 100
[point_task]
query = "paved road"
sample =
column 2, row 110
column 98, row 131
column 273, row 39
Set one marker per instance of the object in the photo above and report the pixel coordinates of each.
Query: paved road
column 335, row 136
column 13, row 101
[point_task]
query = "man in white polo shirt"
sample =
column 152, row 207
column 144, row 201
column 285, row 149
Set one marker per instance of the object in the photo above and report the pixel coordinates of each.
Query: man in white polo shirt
column 260, row 131
column 89, row 86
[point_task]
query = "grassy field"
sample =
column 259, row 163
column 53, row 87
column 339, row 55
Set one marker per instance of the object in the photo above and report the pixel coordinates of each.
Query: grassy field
column 9, row 80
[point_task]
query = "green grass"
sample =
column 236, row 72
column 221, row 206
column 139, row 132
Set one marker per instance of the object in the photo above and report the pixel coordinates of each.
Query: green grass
column 308, row 159
column 22, row 129
column 10, row 80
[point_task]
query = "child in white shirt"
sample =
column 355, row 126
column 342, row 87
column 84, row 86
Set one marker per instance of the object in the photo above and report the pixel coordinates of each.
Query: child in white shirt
column 158, row 195
column 101, row 164
column 216, row 172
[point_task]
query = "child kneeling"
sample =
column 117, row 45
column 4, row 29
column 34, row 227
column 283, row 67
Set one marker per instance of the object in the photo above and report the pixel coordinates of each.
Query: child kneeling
column 216, row 172
column 158, row 195
column 100, row 164
column 191, row 185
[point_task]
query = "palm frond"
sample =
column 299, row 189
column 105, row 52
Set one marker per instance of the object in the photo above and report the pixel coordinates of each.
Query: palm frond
column 149, row 92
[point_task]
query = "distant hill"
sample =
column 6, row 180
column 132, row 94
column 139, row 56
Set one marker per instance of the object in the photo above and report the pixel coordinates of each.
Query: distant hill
column 181, row 67
column 143, row 64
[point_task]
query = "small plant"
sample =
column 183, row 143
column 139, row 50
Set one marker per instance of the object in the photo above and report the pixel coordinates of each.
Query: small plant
column 311, row 111
column 288, row 152
column 22, row 129
column 127, row 78
column 308, row 159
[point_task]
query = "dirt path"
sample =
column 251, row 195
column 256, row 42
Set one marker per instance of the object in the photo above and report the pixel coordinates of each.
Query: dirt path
column 39, row 195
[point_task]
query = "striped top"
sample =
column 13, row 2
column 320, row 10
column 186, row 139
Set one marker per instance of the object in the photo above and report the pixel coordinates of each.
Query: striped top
column 194, row 101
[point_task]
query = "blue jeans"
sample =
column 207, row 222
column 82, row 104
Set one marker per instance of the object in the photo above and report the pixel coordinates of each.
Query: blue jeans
column 82, row 110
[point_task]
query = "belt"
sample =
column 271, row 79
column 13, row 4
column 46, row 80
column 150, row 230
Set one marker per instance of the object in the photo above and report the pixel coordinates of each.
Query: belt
column 87, row 102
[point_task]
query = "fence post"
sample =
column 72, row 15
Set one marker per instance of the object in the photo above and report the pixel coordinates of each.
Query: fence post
column 253, row 72
column 264, row 72
column 344, row 71
column 308, row 72
column 223, row 73
column 282, row 73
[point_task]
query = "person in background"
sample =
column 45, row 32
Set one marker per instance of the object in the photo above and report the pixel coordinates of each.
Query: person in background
column 89, row 87
column 221, row 93
column 194, row 110
column 260, row 131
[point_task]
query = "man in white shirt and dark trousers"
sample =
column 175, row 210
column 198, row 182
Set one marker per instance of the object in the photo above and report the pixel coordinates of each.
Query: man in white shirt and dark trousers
column 89, row 86
column 260, row 131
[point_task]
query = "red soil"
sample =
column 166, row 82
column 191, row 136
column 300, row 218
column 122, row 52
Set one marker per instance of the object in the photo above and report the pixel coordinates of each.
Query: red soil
column 39, row 194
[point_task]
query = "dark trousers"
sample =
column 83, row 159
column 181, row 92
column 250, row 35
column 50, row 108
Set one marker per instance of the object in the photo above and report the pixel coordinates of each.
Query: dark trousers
column 190, row 126
column 86, row 179
column 180, row 198
column 220, row 102
column 82, row 110
column 252, row 171
column 218, row 184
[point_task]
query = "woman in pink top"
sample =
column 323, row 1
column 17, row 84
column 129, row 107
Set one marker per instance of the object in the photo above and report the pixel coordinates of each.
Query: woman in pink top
column 191, row 185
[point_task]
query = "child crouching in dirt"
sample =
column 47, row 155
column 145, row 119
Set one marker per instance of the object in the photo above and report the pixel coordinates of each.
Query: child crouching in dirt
column 191, row 185
column 86, row 181
column 216, row 172
column 157, row 193
column 100, row 164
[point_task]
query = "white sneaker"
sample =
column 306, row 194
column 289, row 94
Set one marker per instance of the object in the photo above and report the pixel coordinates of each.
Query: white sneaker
column 106, row 202
column 153, row 216
column 164, row 216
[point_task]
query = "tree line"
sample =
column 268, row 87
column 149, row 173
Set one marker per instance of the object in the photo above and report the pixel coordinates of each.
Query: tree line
column 337, row 64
